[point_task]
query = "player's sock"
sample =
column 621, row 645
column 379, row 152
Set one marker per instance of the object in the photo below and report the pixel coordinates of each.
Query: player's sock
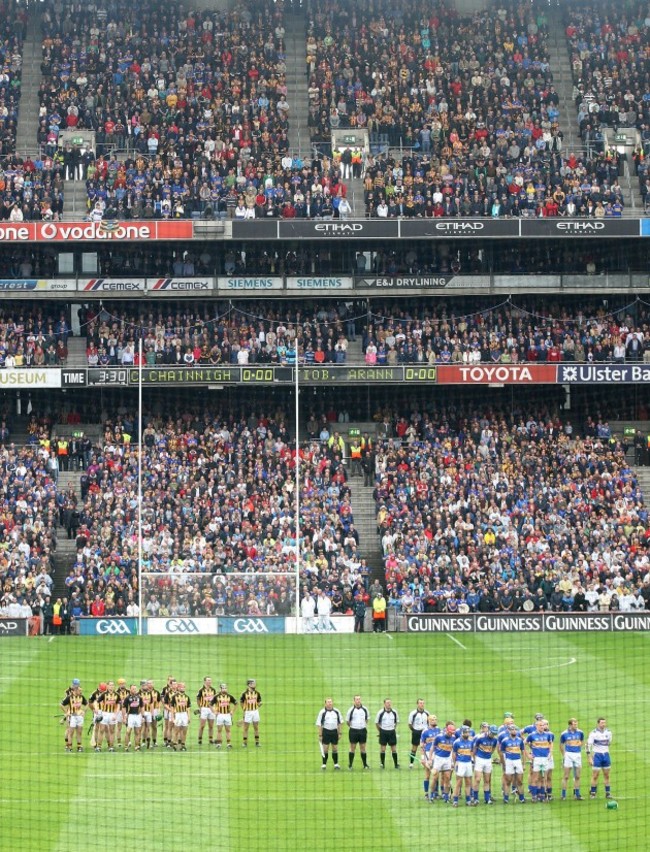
column 487, row 796
column 425, row 784
column 576, row 792
column 364, row 759
column 325, row 756
column 467, row 799
column 350, row 758
column 522, row 798
column 382, row 758
column 549, row 792
column 395, row 758
column 335, row 758
column 455, row 800
column 412, row 757
column 534, row 791
column 608, row 790
column 257, row 739
column 506, row 798
column 563, row 793
column 445, row 796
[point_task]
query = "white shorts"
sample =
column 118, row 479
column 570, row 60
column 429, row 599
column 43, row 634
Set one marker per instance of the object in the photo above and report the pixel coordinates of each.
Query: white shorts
column 133, row 720
column 147, row 716
column 119, row 717
column 550, row 762
column 251, row 716
column 514, row 767
column 483, row 764
column 75, row 721
column 181, row 720
column 441, row 764
column 166, row 715
column 224, row 719
column 541, row 764
column 108, row 719
column 207, row 714
column 464, row 769
column 572, row 759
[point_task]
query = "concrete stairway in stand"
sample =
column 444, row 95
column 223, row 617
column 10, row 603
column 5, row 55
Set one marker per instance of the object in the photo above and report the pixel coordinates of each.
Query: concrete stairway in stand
column 365, row 522
column 27, row 127
column 297, row 97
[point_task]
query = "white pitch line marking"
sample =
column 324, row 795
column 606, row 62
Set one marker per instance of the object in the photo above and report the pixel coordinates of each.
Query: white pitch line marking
column 570, row 662
column 51, row 639
column 453, row 639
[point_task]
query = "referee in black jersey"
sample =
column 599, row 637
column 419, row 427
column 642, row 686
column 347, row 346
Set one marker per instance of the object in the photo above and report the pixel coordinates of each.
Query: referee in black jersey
column 357, row 721
column 417, row 723
column 329, row 723
column 386, row 723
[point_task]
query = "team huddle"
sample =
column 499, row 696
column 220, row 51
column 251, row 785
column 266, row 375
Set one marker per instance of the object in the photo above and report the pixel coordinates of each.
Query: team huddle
column 138, row 711
column 469, row 756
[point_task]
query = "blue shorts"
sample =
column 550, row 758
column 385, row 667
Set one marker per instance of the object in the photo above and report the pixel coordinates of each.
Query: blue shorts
column 602, row 761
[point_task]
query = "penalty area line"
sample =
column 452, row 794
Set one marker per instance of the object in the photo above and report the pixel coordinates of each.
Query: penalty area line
column 453, row 639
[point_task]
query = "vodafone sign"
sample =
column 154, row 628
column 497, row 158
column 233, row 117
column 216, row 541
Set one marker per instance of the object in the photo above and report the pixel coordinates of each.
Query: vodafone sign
column 498, row 374
column 46, row 232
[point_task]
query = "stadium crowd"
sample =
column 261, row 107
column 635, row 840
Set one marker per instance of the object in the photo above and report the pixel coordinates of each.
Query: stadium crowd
column 198, row 99
column 419, row 332
column 217, row 501
column 28, row 531
column 505, row 512
column 470, row 98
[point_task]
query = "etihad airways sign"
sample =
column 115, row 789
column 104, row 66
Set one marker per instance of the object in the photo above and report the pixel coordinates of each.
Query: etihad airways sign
column 498, row 374
column 26, row 232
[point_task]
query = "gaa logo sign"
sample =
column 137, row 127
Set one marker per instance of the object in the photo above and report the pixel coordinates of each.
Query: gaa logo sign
column 113, row 626
column 249, row 625
column 181, row 625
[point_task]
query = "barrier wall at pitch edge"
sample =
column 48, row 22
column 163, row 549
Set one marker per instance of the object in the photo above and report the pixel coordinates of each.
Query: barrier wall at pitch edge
column 534, row 622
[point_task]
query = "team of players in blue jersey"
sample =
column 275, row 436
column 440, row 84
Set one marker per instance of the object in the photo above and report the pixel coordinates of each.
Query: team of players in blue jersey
column 471, row 756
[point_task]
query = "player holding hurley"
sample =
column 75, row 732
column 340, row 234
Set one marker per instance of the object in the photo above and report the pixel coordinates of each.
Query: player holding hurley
column 74, row 706
column 122, row 692
column 250, row 702
column 224, row 704
column 180, row 709
column 165, row 696
column 484, row 747
column 132, row 706
column 205, row 699
column 106, row 705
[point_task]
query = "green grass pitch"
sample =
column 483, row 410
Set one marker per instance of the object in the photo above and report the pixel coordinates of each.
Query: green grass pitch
column 276, row 797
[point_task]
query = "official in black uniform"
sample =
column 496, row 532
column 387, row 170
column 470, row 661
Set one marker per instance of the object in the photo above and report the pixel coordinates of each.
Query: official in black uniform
column 329, row 723
column 357, row 721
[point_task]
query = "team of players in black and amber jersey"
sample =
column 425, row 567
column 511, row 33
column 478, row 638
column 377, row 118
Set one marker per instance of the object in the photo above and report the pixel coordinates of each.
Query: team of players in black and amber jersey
column 139, row 710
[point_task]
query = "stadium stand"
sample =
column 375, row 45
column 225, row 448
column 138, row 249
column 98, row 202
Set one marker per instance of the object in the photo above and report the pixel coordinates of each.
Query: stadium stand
column 199, row 521
column 422, row 333
column 490, row 511
column 181, row 104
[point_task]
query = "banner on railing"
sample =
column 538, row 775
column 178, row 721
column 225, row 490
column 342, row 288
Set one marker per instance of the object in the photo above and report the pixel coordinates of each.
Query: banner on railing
column 546, row 622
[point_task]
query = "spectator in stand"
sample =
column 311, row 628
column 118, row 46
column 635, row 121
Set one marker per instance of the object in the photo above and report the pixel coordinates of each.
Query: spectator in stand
column 462, row 519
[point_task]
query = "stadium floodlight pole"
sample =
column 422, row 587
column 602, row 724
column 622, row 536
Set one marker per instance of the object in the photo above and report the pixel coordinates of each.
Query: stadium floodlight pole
column 140, row 484
column 297, row 499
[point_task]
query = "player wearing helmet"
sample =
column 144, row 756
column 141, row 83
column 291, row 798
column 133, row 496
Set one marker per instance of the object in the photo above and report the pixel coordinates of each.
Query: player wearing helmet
column 180, row 706
column 205, row 700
